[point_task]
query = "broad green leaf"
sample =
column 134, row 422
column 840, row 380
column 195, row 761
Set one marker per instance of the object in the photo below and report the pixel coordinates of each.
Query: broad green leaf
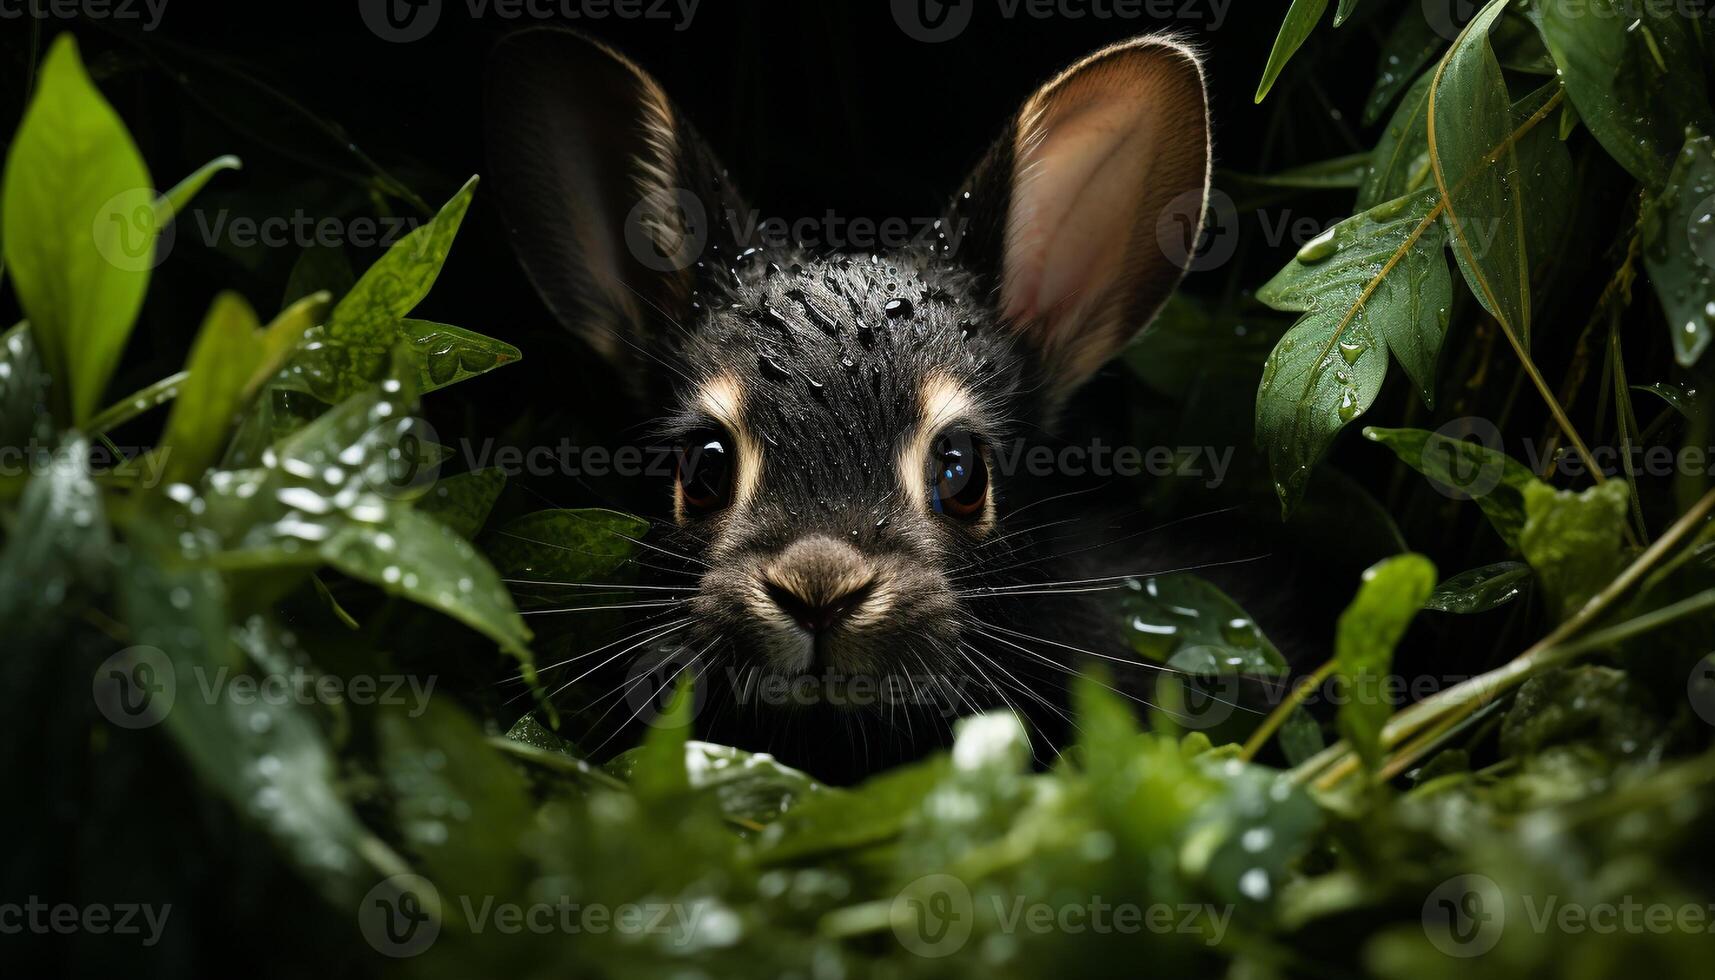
column 168, row 205
column 566, row 546
column 1374, row 283
column 461, row 812
column 1635, row 75
column 1168, row 615
column 1465, row 470
column 1411, row 44
column 747, row 787
column 399, row 280
column 1364, row 639
column 451, row 354
column 1573, row 540
column 59, row 540
column 340, row 492
column 23, row 391
column 223, row 358
column 1470, row 113
column 267, row 757
column 1399, row 164
column 78, row 222
column 1679, row 248
column 840, row 820
column 462, row 502
column 1300, row 21
column 1544, row 180
column 1481, row 589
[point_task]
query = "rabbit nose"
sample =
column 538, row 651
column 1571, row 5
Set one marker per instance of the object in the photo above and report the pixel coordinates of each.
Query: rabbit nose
column 818, row 581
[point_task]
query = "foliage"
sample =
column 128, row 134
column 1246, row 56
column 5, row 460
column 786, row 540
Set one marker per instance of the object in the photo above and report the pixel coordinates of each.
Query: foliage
column 290, row 519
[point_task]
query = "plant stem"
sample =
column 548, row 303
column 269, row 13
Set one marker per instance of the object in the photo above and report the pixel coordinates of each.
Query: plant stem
column 1278, row 716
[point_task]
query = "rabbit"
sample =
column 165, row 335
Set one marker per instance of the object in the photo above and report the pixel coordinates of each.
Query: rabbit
column 845, row 569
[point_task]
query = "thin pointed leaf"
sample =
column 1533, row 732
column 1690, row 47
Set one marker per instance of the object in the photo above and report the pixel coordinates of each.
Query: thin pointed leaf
column 224, row 356
column 398, row 281
column 1364, row 639
column 1300, row 21
column 1679, row 249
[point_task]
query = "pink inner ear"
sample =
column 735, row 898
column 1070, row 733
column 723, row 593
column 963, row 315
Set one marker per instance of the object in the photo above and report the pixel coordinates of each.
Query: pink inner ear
column 1081, row 174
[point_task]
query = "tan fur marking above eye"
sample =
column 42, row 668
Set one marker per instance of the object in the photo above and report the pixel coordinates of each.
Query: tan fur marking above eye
column 941, row 401
column 722, row 399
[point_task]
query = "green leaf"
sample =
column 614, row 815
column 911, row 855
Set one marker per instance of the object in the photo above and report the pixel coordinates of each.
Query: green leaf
column 461, row 813
column 1300, row 21
column 662, row 765
column 1635, row 75
column 1470, row 112
column 1573, row 540
column 452, row 354
column 23, row 391
column 1343, row 11
column 1411, row 44
column 1364, row 639
column 748, row 788
column 282, row 338
column 168, row 205
column 78, row 222
column 59, row 539
column 1679, row 248
column 1169, row 615
column 462, row 502
column 1465, row 470
column 321, row 268
column 1481, row 589
column 574, row 546
column 399, row 280
column 267, row 757
column 1399, row 164
column 841, row 820
column 1373, row 283
column 223, row 358
column 1678, row 397
column 137, row 403
column 1332, row 174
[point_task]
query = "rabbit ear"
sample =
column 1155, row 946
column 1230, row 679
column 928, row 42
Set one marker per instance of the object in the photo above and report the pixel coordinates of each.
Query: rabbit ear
column 1080, row 214
column 609, row 197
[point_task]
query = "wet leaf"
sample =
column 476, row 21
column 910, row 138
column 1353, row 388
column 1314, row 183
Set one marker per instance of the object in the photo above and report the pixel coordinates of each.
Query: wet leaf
column 1465, row 470
column 23, row 391
column 462, row 502
column 1412, row 43
column 1573, row 540
column 1635, row 75
column 1481, row 589
column 1374, row 283
column 227, row 352
column 1679, row 249
column 1388, row 599
column 78, row 212
column 1300, row 21
column 559, row 546
column 392, row 287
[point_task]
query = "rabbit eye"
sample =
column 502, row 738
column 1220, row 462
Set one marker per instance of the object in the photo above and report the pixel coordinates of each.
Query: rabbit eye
column 958, row 477
column 705, row 471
